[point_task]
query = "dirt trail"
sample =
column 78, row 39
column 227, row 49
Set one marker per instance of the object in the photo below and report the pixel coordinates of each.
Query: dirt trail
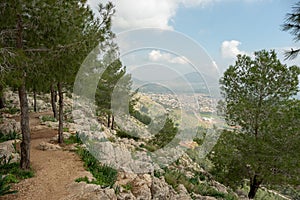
column 54, row 170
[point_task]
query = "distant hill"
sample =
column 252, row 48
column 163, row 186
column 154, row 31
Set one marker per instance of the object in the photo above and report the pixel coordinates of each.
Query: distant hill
column 188, row 83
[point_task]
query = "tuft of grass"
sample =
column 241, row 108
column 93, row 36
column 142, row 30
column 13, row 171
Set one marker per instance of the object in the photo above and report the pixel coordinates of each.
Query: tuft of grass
column 104, row 175
column 14, row 169
column 10, row 136
column 73, row 139
column 128, row 186
column 5, row 186
column 46, row 118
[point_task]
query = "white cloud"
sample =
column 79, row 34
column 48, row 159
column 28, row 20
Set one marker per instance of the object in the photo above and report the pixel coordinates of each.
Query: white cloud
column 157, row 56
column 230, row 49
column 132, row 14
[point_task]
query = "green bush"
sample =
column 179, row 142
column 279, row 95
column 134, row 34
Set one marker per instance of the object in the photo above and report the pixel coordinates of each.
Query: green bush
column 105, row 175
column 124, row 134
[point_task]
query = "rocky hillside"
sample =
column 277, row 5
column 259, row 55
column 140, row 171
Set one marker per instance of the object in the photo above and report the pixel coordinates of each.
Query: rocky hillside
column 137, row 176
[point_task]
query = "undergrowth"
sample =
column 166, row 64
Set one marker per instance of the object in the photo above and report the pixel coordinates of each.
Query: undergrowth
column 104, row 175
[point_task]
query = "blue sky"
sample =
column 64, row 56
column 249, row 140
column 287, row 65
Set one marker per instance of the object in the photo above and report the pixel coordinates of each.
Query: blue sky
column 224, row 28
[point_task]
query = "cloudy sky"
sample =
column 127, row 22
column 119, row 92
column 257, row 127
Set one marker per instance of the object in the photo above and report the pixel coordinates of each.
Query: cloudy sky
column 224, row 28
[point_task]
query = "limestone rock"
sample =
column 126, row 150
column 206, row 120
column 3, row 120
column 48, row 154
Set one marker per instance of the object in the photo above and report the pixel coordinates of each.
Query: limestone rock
column 9, row 125
column 8, row 152
column 45, row 146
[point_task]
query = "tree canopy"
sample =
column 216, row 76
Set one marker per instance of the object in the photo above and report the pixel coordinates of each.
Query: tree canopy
column 292, row 25
column 258, row 101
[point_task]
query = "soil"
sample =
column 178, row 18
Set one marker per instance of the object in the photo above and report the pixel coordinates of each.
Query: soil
column 54, row 170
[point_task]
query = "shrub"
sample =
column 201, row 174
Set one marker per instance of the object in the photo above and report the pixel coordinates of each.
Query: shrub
column 124, row 134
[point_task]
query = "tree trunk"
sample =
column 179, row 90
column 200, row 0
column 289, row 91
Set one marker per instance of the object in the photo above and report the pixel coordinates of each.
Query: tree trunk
column 25, row 144
column 108, row 121
column 61, row 113
column 112, row 122
column 53, row 101
column 2, row 101
column 254, row 185
column 34, row 100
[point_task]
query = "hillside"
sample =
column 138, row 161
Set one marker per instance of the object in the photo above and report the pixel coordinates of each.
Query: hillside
column 57, row 167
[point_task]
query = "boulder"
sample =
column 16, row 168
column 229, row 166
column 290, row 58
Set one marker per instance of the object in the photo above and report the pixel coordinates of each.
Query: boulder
column 45, row 146
column 9, row 125
column 8, row 152
column 83, row 190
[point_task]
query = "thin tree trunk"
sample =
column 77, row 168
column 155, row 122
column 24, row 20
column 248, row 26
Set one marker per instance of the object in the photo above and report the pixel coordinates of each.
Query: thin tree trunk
column 25, row 144
column 34, row 100
column 108, row 121
column 254, row 185
column 2, row 101
column 53, row 101
column 61, row 113
column 112, row 122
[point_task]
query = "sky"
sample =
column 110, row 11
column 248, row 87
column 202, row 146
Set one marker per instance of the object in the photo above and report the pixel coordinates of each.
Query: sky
column 223, row 28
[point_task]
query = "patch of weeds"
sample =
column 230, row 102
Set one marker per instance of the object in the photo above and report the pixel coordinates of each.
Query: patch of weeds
column 128, row 186
column 65, row 129
column 10, row 136
column 12, row 110
column 73, row 139
column 105, row 175
column 47, row 118
column 14, row 169
column 5, row 186
column 82, row 179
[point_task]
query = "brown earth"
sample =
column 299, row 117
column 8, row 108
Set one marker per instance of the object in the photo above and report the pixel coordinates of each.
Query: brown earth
column 54, row 170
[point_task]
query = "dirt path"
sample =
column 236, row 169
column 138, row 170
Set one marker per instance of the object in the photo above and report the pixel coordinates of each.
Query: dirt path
column 54, row 170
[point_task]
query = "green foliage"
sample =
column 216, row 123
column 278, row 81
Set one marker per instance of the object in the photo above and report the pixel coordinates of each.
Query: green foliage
column 73, row 139
column 292, row 25
column 145, row 119
column 11, row 110
column 128, row 186
column 82, row 179
column 164, row 136
column 257, row 100
column 105, row 175
column 4, row 186
column 194, row 185
column 124, row 134
column 14, row 169
column 11, row 136
column 46, row 118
